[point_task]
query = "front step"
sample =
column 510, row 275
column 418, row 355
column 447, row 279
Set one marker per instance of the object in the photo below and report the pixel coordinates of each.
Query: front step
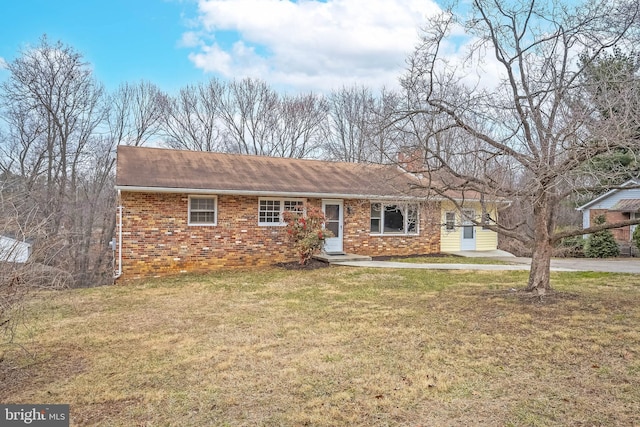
column 340, row 257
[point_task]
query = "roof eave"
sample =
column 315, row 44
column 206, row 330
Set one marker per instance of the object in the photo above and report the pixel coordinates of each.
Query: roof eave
column 597, row 199
column 140, row 189
column 631, row 182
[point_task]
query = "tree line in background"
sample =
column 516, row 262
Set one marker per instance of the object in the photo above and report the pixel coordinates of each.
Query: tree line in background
column 551, row 130
column 61, row 129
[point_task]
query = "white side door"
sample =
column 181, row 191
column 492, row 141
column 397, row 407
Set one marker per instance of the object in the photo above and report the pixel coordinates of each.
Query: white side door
column 468, row 242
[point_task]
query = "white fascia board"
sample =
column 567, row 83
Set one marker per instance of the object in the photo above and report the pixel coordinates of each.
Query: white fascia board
column 135, row 189
column 467, row 199
column 597, row 199
column 139, row 189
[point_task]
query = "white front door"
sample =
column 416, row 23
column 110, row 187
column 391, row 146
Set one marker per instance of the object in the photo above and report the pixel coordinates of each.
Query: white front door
column 468, row 242
column 333, row 222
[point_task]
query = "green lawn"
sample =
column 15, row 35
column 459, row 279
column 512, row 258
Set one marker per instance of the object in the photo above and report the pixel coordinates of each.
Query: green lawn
column 335, row 346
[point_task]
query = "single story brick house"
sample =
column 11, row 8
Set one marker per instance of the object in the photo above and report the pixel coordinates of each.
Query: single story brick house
column 619, row 204
column 187, row 211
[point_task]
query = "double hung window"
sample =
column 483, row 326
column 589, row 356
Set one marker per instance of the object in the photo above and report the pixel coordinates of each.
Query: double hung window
column 450, row 221
column 203, row 210
column 486, row 220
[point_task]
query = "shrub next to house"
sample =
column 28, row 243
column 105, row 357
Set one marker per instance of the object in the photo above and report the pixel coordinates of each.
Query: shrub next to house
column 601, row 244
column 636, row 237
column 306, row 231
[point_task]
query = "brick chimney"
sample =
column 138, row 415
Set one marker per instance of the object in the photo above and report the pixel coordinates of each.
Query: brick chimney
column 411, row 160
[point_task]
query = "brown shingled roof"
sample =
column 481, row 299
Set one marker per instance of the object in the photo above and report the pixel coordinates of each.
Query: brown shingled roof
column 626, row 205
column 143, row 168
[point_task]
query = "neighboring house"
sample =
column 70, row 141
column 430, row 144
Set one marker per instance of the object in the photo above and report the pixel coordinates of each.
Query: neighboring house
column 182, row 211
column 619, row 204
column 12, row 250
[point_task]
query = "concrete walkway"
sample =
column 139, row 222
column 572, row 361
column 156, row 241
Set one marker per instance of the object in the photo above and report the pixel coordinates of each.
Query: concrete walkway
column 435, row 266
column 611, row 265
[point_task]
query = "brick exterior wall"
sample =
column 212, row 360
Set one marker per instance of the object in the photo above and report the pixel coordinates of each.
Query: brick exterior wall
column 357, row 238
column 157, row 240
column 622, row 234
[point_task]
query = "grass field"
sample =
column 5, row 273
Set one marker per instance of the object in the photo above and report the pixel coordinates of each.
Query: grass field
column 335, row 346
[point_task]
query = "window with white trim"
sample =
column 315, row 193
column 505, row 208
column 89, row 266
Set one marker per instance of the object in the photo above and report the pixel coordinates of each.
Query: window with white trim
column 270, row 210
column 203, row 210
column 394, row 218
column 486, row 220
column 376, row 218
column 450, row 221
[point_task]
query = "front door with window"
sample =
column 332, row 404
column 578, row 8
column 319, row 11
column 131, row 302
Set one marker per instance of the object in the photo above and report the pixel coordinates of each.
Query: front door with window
column 333, row 222
column 468, row 242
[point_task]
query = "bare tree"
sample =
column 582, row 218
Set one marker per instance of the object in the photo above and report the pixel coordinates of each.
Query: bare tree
column 132, row 117
column 135, row 113
column 191, row 120
column 244, row 116
column 351, row 124
column 387, row 138
column 525, row 133
column 62, row 131
column 248, row 109
column 299, row 125
column 53, row 103
column 361, row 127
column 612, row 85
column 25, row 253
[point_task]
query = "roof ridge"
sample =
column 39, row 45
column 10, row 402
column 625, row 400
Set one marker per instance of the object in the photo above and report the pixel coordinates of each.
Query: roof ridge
column 250, row 156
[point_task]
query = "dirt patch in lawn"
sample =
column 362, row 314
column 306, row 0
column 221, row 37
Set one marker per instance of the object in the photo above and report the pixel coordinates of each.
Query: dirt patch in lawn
column 551, row 296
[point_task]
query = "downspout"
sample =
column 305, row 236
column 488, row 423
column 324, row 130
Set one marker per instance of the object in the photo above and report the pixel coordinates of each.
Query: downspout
column 118, row 273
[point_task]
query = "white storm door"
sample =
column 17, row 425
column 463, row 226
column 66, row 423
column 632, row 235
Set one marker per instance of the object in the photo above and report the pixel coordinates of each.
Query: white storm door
column 333, row 222
column 468, row 242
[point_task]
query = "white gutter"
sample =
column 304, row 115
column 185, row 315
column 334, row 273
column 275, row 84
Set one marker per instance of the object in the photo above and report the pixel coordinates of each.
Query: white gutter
column 262, row 193
column 118, row 273
column 294, row 194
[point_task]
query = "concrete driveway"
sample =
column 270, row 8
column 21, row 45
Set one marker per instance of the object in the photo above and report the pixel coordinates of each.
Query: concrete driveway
column 609, row 265
column 434, row 266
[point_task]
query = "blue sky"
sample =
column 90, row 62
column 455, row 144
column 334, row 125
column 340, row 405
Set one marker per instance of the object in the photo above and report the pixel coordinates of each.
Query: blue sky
column 293, row 45
column 124, row 40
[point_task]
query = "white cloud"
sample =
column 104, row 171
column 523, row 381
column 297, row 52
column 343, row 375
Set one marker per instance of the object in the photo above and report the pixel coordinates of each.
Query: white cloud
column 308, row 44
column 3, row 63
column 189, row 39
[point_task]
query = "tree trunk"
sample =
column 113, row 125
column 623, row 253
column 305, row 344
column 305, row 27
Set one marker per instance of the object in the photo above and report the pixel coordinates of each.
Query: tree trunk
column 539, row 276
